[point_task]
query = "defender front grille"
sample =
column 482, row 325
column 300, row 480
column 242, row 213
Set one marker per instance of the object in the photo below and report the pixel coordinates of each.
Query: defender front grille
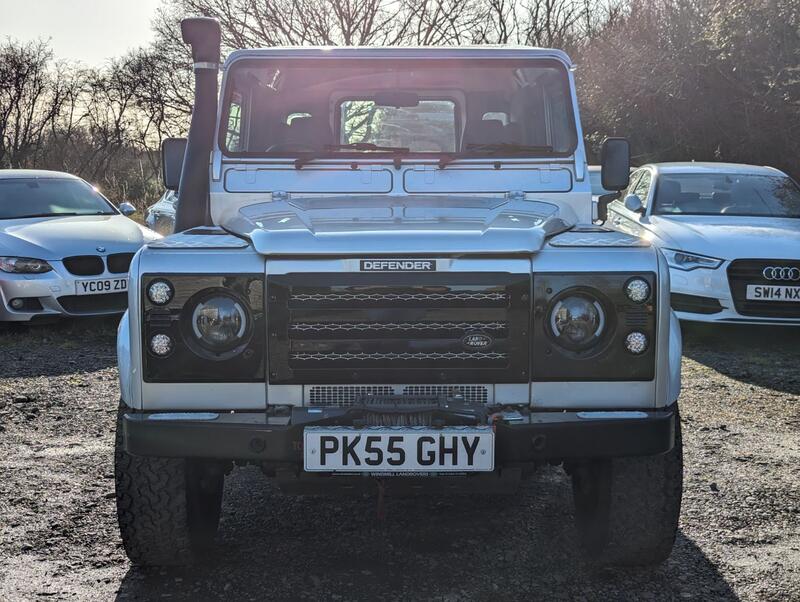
column 750, row 271
column 355, row 327
column 377, row 297
column 376, row 357
column 372, row 328
column 347, row 395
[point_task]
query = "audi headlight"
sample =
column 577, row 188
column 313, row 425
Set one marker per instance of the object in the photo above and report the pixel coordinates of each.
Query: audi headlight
column 681, row 260
column 24, row 265
column 220, row 322
column 577, row 321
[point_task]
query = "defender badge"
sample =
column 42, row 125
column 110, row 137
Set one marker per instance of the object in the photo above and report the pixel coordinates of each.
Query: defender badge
column 476, row 340
column 398, row 265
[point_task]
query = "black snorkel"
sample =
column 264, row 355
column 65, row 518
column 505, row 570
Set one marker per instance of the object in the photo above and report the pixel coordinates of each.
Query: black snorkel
column 193, row 209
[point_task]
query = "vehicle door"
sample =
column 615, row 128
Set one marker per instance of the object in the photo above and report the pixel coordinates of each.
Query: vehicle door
column 624, row 219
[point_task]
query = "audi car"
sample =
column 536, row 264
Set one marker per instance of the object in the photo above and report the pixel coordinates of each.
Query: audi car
column 730, row 233
column 64, row 248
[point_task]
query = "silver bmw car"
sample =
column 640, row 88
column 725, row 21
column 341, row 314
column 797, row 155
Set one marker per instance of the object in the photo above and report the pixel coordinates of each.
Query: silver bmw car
column 64, row 248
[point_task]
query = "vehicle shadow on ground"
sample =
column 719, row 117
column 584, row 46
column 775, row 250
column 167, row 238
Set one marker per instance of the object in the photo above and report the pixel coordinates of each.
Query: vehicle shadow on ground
column 468, row 548
column 63, row 347
column 761, row 355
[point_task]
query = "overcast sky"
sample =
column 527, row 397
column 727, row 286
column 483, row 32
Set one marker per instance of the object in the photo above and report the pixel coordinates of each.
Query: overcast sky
column 90, row 31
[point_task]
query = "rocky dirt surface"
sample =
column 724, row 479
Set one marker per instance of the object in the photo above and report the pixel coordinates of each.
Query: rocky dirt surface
column 739, row 534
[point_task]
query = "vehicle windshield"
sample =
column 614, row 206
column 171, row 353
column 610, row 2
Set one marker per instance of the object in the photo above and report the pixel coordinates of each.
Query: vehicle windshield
column 47, row 197
column 352, row 107
column 727, row 194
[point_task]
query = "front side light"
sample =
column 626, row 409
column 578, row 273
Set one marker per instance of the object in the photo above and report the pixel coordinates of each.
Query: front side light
column 636, row 343
column 682, row 260
column 577, row 321
column 160, row 292
column 24, row 265
column 637, row 290
column 219, row 322
column 161, row 344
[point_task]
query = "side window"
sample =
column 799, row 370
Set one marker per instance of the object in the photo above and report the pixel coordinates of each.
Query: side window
column 233, row 134
column 631, row 185
column 642, row 187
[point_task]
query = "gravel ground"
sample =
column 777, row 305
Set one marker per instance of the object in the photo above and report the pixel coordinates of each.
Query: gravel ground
column 739, row 534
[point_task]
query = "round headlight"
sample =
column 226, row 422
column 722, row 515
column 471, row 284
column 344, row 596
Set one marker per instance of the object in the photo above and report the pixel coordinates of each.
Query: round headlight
column 637, row 290
column 219, row 322
column 577, row 321
column 160, row 292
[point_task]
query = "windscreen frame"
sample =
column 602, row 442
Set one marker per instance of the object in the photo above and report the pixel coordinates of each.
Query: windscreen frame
column 545, row 62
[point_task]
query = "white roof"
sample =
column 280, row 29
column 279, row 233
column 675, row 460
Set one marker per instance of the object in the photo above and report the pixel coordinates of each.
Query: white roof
column 7, row 174
column 712, row 167
column 402, row 52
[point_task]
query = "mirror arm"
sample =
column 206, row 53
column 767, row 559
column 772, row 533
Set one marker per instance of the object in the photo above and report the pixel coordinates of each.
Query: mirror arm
column 603, row 202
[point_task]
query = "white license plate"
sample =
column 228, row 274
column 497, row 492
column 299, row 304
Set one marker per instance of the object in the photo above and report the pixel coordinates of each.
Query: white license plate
column 101, row 286
column 760, row 292
column 398, row 449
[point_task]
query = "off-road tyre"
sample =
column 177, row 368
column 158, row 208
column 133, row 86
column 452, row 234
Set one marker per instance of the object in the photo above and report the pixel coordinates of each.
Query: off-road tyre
column 627, row 509
column 168, row 508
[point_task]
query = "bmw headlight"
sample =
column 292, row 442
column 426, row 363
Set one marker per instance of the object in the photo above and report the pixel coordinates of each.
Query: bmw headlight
column 577, row 321
column 24, row 265
column 681, row 260
column 220, row 322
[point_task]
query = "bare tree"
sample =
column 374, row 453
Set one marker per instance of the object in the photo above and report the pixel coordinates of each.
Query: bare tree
column 31, row 98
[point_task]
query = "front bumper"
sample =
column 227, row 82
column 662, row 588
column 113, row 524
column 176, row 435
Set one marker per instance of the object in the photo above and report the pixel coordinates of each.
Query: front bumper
column 538, row 436
column 52, row 294
column 703, row 295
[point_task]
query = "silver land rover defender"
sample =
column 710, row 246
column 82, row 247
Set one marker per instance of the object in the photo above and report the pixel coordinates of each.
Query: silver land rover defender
column 385, row 276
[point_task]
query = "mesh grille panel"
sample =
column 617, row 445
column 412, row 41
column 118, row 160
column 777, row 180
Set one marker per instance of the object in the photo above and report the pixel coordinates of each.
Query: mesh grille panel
column 471, row 393
column 344, row 395
column 347, row 395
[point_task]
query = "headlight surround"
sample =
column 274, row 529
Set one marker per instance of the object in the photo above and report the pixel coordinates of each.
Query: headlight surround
column 219, row 321
column 24, row 265
column 683, row 260
column 577, row 320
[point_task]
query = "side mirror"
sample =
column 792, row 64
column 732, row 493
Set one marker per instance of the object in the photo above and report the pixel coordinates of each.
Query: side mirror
column 172, row 152
column 634, row 203
column 126, row 209
column 602, row 205
column 615, row 162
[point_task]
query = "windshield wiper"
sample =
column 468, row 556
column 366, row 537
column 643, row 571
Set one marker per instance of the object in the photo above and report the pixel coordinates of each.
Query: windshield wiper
column 41, row 215
column 55, row 214
column 396, row 151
